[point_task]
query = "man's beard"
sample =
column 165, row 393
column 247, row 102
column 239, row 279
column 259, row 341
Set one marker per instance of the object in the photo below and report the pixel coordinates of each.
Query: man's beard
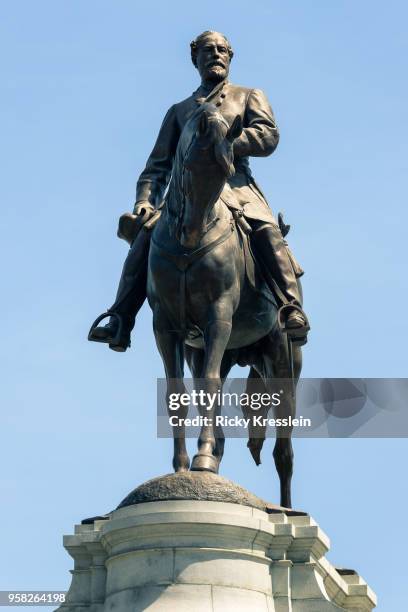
column 216, row 74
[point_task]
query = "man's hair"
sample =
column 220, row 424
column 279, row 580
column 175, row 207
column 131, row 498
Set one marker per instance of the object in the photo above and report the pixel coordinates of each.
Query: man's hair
column 200, row 39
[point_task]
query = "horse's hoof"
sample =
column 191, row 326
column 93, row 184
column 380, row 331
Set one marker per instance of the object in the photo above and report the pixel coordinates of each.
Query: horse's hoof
column 205, row 463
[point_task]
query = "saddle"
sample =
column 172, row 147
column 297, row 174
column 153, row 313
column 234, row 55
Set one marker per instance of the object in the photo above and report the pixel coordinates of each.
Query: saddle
column 253, row 273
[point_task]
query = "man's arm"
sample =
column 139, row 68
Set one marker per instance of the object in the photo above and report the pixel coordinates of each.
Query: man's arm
column 260, row 135
column 156, row 175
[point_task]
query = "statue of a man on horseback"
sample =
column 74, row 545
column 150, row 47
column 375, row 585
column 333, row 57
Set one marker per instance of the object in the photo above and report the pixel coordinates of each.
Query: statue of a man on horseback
column 209, row 255
column 211, row 54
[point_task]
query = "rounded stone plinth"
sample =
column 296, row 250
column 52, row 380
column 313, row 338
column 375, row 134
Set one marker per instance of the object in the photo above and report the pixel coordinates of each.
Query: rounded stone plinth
column 197, row 486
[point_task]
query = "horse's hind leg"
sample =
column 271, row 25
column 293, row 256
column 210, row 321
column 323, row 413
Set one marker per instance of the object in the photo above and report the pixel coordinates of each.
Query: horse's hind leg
column 277, row 365
column 283, row 451
column 171, row 347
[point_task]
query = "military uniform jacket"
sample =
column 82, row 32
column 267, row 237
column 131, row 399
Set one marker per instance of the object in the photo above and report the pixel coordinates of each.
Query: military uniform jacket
column 259, row 138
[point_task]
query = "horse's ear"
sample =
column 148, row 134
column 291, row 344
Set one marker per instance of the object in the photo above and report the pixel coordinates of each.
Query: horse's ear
column 235, row 130
column 203, row 123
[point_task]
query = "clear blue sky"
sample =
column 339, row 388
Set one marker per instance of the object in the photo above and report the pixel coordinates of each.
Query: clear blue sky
column 84, row 87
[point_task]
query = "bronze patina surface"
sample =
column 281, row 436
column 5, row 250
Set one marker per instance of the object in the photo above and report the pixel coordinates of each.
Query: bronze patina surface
column 212, row 260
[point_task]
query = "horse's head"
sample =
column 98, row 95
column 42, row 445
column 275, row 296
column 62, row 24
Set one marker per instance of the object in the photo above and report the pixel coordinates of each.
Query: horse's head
column 207, row 162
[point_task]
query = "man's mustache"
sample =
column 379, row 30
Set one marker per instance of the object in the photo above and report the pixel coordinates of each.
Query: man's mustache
column 215, row 63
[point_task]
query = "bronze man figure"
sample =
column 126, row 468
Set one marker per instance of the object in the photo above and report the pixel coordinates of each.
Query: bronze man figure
column 211, row 54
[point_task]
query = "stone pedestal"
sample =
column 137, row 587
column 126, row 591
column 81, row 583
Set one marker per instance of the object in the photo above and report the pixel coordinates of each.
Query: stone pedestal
column 197, row 555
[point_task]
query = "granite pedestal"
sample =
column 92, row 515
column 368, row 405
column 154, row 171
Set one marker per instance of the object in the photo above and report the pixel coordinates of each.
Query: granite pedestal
column 197, row 554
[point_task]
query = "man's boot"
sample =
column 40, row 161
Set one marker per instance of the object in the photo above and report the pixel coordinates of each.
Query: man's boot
column 269, row 245
column 129, row 298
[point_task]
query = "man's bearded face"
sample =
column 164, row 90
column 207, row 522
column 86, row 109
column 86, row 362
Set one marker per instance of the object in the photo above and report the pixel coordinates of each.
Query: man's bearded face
column 213, row 58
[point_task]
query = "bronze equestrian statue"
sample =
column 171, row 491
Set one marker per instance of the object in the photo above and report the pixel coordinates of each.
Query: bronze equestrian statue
column 211, row 54
column 200, row 222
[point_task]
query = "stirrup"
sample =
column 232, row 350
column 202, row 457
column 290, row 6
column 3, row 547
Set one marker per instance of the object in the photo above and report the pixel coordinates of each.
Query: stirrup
column 115, row 339
column 298, row 335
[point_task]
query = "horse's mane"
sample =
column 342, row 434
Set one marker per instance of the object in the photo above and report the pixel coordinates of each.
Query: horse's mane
column 176, row 182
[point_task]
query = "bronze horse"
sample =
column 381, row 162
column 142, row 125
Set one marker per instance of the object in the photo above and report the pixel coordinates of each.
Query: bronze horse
column 206, row 309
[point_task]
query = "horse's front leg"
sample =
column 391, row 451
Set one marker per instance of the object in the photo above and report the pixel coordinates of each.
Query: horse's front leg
column 170, row 345
column 195, row 360
column 216, row 337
